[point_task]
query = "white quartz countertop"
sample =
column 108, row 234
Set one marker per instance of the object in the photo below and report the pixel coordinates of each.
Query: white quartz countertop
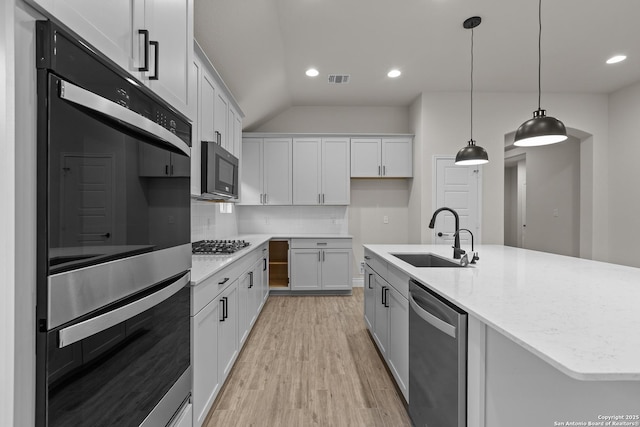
column 581, row 316
column 205, row 266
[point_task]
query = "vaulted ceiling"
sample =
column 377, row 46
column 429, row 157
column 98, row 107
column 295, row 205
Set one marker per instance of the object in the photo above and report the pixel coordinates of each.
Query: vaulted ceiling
column 261, row 48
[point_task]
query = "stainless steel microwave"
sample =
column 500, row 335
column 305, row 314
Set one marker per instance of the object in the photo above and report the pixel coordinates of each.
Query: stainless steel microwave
column 219, row 173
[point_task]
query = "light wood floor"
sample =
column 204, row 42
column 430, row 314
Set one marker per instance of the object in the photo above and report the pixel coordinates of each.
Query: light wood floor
column 309, row 361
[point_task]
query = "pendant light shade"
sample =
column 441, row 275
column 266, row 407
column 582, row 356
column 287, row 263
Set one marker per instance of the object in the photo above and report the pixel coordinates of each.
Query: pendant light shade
column 541, row 129
column 472, row 154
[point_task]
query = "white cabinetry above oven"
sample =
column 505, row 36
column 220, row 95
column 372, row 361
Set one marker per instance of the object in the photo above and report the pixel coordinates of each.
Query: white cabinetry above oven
column 150, row 39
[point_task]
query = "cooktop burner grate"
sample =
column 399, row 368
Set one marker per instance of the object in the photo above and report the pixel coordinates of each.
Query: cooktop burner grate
column 218, row 247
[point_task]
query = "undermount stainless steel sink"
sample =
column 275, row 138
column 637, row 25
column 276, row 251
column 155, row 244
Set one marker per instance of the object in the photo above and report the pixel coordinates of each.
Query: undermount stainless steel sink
column 426, row 260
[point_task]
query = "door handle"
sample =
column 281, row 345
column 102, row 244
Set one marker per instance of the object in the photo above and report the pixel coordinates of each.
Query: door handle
column 250, row 279
column 386, row 296
column 384, row 170
column 156, row 45
column 441, row 325
column 370, row 275
column 145, row 33
column 225, row 308
column 383, row 295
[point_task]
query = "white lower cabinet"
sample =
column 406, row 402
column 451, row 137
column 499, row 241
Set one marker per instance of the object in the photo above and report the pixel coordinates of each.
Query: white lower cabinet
column 386, row 315
column 224, row 308
column 228, row 330
column 369, row 297
column 321, row 264
column 205, row 356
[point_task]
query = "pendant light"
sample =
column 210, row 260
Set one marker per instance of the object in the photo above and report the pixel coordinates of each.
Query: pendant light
column 541, row 129
column 472, row 154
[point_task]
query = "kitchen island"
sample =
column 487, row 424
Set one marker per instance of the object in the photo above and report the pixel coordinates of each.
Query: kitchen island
column 552, row 339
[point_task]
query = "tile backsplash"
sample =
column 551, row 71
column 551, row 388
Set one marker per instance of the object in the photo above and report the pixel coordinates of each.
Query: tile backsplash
column 211, row 220
column 292, row 219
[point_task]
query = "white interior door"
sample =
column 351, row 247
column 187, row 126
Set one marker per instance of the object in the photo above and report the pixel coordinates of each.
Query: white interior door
column 458, row 188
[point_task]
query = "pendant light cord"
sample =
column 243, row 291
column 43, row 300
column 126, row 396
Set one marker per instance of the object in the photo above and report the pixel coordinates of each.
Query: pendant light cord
column 539, row 50
column 471, row 141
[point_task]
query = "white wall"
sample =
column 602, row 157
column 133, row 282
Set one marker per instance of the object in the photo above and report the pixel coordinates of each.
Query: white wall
column 337, row 119
column 624, row 175
column 445, row 125
column 212, row 220
column 289, row 220
column 8, row 215
column 552, row 197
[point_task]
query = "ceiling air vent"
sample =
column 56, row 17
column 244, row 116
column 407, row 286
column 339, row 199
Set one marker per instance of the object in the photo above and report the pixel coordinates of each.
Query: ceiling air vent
column 338, row 79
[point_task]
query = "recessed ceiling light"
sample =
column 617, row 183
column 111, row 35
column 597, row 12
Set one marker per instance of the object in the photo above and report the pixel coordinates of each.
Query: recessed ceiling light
column 615, row 59
column 312, row 72
column 394, row 73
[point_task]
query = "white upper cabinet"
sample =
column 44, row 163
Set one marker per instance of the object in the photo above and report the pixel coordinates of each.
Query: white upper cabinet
column 151, row 39
column 366, row 157
column 266, row 171
column 170, row 26
column 321, row 171
column 215, row 113
column 382, row 157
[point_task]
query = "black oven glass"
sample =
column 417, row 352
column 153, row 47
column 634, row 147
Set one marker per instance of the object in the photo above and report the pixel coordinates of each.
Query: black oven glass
column 116, row 377
column 112, row 192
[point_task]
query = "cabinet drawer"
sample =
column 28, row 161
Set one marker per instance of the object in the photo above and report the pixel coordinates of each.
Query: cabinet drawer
column 398, row 280
column 207, row 291
column 376, row 263
column 321, row 243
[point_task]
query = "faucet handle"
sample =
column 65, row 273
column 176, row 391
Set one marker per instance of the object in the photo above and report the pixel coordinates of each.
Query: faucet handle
column 464, row 261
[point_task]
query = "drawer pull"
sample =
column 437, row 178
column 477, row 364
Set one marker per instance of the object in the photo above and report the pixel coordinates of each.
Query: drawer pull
column 226, row 279
column 322, row 243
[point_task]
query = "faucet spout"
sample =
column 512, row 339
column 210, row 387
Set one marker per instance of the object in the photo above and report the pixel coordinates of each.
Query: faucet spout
column 456, row 235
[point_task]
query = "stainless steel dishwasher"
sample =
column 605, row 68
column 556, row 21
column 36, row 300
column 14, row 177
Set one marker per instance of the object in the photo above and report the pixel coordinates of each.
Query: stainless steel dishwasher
column 437, row 360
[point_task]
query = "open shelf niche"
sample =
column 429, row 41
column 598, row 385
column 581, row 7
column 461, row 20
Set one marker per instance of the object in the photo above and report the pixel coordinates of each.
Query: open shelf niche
column 279, row 264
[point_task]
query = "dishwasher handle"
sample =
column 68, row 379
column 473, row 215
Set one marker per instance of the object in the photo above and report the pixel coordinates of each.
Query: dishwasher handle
column 431, row 319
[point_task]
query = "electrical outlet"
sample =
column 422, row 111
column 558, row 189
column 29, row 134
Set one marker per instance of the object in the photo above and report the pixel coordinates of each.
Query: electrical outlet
column 362, row 267
column 385, row 219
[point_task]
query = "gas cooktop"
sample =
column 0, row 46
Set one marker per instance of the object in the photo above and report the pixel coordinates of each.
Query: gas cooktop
column 217, row 247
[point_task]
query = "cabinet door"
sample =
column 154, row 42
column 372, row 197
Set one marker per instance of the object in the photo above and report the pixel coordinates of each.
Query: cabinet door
column 205, row 359
column 231, row 131
column 277, row 177
column 117, row 38
column 196, row 88
column 221, row 111
column 398, row 352
column 336, row 268
column 244, row 304
column 365, row 157
column 306, row 171
column 381, row 320
column 170, row 23
column 251, row 172
column 237, row 135
column 228, row 330
column 369, row 298
column 336, row 175
column 397, row 157
column 255, row 292
column 305, row 269
column 264, row 281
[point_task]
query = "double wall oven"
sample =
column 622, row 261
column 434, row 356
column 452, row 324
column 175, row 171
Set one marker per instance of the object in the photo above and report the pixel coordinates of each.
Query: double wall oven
column 114, row 252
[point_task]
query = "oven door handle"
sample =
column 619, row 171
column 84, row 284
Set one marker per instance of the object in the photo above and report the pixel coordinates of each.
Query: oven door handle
column 87, row 99
column 82, row 330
